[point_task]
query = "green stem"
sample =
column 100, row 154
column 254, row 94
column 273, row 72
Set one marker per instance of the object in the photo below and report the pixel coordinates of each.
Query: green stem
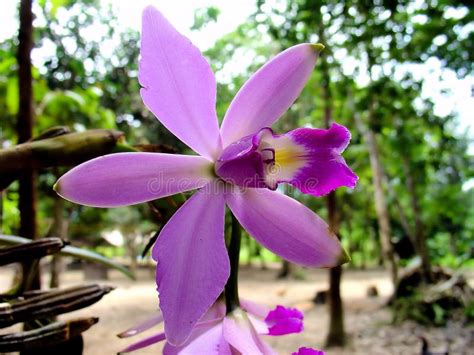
column 231, row 287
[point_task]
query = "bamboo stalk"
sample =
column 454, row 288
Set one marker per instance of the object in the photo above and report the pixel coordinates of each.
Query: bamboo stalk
column 62, row 150
column 34, row 250
column 39, row 338
column 51, row 304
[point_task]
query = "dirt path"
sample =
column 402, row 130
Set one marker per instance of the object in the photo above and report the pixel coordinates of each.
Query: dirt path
column 367, row 322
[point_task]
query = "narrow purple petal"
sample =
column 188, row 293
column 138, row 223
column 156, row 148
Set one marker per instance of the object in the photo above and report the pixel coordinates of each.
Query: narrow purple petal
column 269, row 93
column 286, row 227
column 215, row 312
column 225, row 348
column 193, row 266
column 124, row 179
column 324, row 169
column 284, row 320
column 178, row 84
column 240, row 334
column 258, row 324
column 206, row 336
column 201, row 341
column 308, row 351
column 255, row 309
column 156, row 338
column 156, row 319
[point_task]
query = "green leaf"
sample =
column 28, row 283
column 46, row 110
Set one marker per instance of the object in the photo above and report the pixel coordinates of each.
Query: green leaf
column 56, row 4
column 12, row 96
column 74, row 252
column 107, row 119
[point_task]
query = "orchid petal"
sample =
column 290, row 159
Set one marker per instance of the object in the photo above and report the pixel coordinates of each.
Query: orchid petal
column 284, row 320
column 225, row 348
column 269, row 93
column 156, row 338
column 308, row 351
column 200, row 342
column 240, row 334
column 178, row 84
column 206, row 337
column 193, row 266
column 286, row 227
column 156, row 319
column 256, row 309
column 324, row 169
column 241, row 164
column 124, row 179
column 214, row 313
column 258, row 324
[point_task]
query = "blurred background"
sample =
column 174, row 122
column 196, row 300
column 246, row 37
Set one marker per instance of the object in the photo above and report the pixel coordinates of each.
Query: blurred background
column 398, row 74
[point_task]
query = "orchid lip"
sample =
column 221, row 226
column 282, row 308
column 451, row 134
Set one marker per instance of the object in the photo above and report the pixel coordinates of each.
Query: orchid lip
column 307, row 158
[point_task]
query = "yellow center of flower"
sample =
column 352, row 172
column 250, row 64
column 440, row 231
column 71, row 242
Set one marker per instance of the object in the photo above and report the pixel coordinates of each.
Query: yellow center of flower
column 289, row 157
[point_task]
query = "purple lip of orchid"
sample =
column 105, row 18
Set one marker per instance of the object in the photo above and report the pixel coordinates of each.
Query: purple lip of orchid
column 308, row 351
column 309, row 159
column 180, row 89
column 218, row 333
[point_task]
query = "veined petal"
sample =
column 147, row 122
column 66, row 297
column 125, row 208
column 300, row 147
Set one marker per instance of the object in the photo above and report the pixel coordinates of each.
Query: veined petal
column 124, row 179
column 178, row 84
column 156, row 338
column 286, row 227
column 193, row 265
column 269, row 93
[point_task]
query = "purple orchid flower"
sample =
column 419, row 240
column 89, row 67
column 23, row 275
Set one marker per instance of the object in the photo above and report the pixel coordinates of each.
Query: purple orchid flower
column 308, row 351
column 218, row 333
column 180, row 89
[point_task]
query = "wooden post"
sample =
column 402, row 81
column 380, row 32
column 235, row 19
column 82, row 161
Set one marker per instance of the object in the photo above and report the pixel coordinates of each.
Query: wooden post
column 25, row 122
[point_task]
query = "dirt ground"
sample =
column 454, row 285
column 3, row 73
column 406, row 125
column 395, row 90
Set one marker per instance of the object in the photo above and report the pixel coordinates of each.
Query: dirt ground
column 367, row 321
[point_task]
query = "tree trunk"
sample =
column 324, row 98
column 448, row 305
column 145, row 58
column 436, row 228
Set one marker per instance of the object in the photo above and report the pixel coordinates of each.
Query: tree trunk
column 131, row 250
column 25, row 121
column 1, row 211
column 258, row 254
column 336, row 335
column 285, row 270
column 1, row 190
column 401, row 214
column 56, row 266
column 59, row 230
column 379, row 195
column 419, row 233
